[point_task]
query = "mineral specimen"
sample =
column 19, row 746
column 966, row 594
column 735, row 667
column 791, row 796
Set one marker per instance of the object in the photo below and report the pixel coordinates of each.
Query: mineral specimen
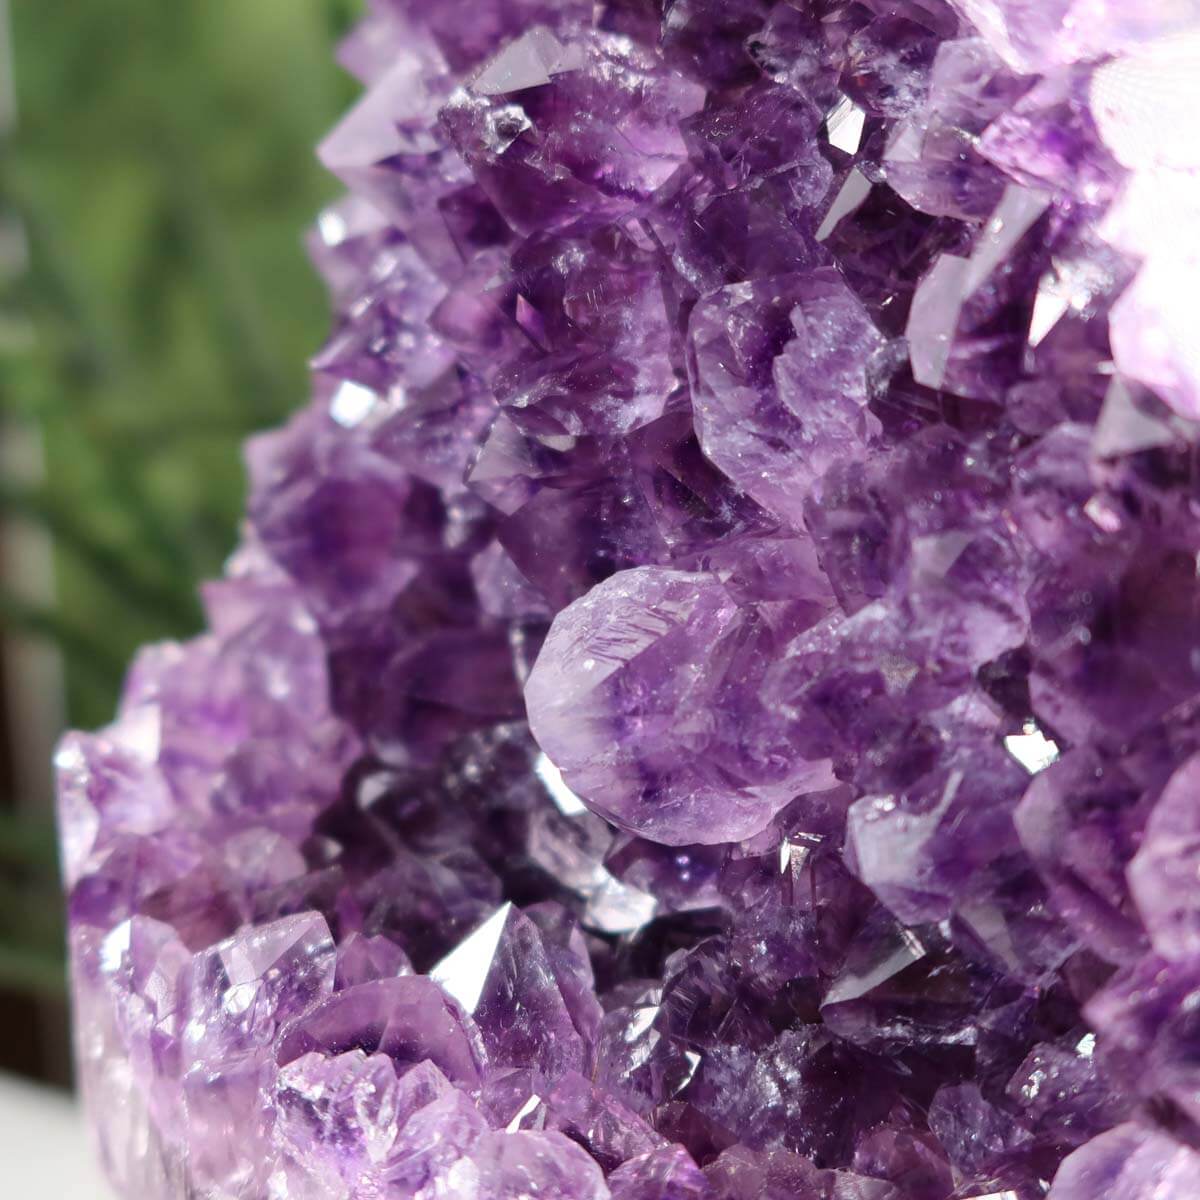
column 707, row 706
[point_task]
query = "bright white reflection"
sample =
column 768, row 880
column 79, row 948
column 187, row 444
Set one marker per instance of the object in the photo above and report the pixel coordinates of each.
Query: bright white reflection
column 1032, row 748
column 844, row 125
column 565, row 800
column 352, row 404
column 527, row 1109
column 463, row 972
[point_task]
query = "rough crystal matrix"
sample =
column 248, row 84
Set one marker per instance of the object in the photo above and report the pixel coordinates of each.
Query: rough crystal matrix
column 707, row 706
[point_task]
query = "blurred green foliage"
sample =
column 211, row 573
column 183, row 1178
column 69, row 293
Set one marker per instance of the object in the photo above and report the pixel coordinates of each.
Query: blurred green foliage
column 163, row 173
column 163, row 169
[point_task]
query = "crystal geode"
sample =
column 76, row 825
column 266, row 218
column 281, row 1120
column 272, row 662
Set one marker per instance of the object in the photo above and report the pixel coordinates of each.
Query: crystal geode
column 707, row 705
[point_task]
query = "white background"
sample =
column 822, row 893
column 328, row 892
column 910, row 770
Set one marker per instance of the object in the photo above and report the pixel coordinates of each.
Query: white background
column 44, row 1150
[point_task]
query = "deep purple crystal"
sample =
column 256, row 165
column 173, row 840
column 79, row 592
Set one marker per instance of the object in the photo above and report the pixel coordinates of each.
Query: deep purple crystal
column 707, row 706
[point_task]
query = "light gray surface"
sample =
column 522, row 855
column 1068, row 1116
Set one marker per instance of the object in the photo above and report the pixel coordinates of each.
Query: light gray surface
column 44, row 1151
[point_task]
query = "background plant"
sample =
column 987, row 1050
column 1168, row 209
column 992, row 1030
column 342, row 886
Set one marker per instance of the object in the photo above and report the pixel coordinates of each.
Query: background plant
column 156, row 308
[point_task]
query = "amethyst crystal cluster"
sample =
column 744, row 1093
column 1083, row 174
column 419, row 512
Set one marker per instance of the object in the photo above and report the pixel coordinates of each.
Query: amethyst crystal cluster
column 707, row 706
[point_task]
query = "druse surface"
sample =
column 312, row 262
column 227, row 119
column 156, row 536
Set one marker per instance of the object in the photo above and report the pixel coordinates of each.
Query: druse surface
column 707, row 706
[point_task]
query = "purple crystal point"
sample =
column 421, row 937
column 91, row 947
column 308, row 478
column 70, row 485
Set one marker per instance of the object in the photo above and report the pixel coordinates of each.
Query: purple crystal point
column 410, row 1020
column 336, row 1117
column 510, row 1166
column 1167, row 862
column 503, row 974
column 707, row 706
column 1129, row 1163
column 594, row 133
column 659, row 1175
column 645, row 697
column 782, row 375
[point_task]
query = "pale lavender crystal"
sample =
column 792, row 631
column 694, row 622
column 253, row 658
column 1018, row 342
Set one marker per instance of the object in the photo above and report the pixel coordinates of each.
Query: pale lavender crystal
column 667, row 1174
column 1129, row 1163
column 1079, row 822
column 707, row 704
column 337, row 1119
column 781, row 374
column 235, row 997
column 1166, row 864
column 410, row 1020
column 510, row 1166
column 641, row 696
column 932, row 158
column 1021, row 31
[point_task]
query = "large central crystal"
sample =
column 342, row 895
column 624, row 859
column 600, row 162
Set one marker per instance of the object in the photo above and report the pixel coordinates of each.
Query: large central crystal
column 707, row 706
